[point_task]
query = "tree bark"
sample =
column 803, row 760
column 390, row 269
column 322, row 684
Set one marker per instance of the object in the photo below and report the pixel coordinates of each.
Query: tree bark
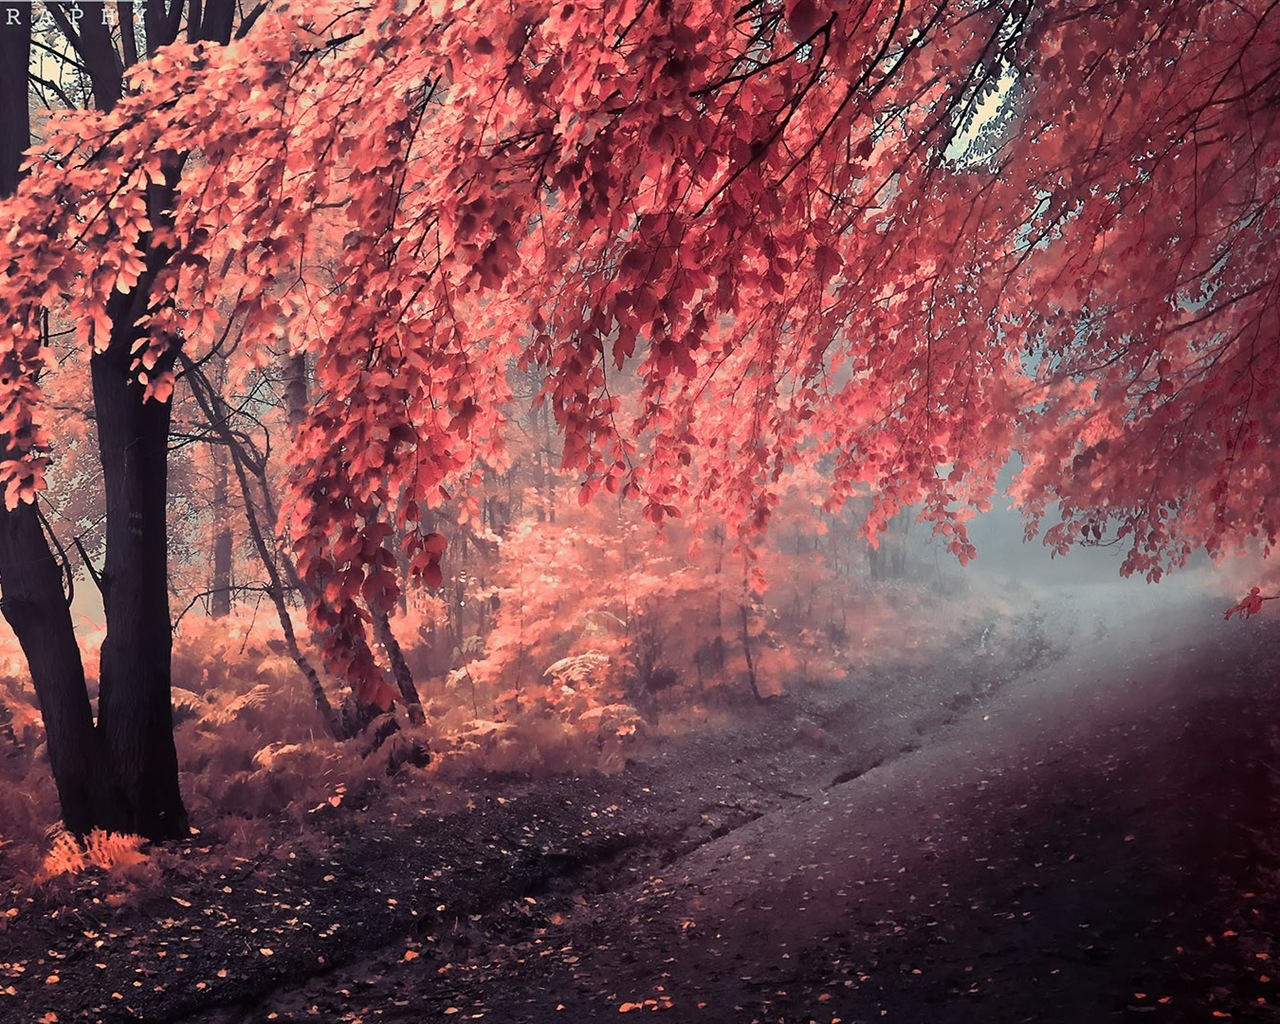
column 34, row 603
column 35, row 606
column 400, row 670
column 888, row 560
column 220, row 600
column 297, row 390
column 135, row 716
column 746, row 649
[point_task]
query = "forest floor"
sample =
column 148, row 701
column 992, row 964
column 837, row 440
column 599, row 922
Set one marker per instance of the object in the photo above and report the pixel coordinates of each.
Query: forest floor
column 1066, row 818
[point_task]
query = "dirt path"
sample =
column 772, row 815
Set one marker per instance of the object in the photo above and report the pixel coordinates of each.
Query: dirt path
column 1046, row 863
column 996, row 837
column 1092, row 847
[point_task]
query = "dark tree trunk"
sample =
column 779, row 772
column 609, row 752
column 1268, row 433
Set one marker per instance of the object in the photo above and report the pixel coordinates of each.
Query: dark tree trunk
column 135, row 717
column 215, row 21
column 888, row 560
column 135, row 713
column 746, row 649
column 34, row 603
column 400, row 670
column 35, row 606
column 546, row 479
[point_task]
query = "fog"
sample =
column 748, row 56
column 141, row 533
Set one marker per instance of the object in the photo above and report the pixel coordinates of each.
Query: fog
column 1006, row 559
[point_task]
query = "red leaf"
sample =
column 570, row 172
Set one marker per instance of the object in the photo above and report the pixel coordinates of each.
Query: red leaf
column 1251, row 605
column 804, row 19
column 376, row 691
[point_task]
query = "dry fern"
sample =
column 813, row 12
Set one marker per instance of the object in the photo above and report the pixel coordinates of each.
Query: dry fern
column 19, row 715
column 187, row 704
column 286, row 778
column 268, row 756
column 578, row 669
column 471, row 647
column 484, row 730
column 620, row 719
column 226, row 712
column 110, row 851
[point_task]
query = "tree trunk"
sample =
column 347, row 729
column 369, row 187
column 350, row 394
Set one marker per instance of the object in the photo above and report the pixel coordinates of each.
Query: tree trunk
column 546, row 478
column 36, row 607
column 354, row 715
column 135, row 716
column 888, row 560
column 135, row 713
column 248, row 466
column 297, row 391
column 220, row 585
column 746, row 649
column 33, row 601
column 399, row 666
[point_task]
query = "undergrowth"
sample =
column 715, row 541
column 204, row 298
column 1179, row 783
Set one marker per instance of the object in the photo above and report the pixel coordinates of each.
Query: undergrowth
column 257, row 763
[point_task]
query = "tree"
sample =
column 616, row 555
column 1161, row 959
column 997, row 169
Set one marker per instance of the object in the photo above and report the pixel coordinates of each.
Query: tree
column 121, row 771
column 33, row 600
column 895, row 240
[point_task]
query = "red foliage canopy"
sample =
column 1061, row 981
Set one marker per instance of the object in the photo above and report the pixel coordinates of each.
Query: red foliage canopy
column 899, row 239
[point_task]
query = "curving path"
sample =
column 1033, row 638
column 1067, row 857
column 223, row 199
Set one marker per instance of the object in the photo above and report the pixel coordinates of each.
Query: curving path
column 1094, row 845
